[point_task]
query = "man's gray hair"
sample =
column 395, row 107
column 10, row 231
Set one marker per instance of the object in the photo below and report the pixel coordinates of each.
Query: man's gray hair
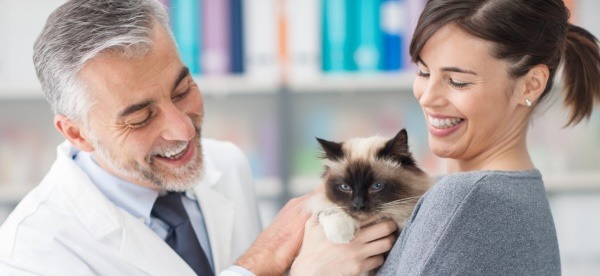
column 78, row 31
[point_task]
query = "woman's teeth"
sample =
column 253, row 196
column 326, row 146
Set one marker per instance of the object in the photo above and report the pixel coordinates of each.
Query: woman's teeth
column 444, row 123
column 174, row 153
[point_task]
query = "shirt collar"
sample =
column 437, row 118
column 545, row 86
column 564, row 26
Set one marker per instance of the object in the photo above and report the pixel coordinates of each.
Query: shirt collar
column 134, row 199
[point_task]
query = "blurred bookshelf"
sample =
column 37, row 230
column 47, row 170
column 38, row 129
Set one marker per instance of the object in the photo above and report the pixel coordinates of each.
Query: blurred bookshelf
column 270, row 90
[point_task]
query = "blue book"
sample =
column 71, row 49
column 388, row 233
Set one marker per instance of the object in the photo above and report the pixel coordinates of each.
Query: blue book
column 334, row 35
column 352, row 25
column 236, row 37
column 185, row 20
column 363, row 49
column 394, row 19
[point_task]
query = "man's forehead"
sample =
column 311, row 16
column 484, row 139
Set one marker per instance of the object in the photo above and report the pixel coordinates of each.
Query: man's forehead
column 117, row 81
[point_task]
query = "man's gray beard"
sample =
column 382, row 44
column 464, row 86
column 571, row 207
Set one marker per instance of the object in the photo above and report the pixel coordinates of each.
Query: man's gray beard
column 187, row 176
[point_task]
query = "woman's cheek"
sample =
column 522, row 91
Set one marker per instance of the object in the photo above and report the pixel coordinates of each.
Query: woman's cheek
column 418, row 88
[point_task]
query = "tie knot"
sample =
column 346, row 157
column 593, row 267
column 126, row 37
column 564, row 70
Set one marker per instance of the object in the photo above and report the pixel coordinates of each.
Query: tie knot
column 169, row 209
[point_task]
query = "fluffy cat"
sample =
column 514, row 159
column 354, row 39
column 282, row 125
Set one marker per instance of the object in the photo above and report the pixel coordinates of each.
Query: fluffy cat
column 367, row 179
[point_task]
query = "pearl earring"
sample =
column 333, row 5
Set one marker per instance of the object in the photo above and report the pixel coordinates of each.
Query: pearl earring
column 528, row 102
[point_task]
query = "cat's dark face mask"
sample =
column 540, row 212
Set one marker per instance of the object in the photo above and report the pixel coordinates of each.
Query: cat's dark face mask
column 373, row 181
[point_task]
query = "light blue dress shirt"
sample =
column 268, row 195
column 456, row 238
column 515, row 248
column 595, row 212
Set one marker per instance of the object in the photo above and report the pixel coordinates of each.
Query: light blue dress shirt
column 138, row 201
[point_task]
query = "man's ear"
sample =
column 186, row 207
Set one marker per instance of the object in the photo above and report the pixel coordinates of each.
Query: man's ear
column 74, row 132
column 533, row 85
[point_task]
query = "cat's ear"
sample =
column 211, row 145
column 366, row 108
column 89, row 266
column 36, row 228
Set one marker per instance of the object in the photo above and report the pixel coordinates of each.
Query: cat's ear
column 397, row 149
column 333, row 151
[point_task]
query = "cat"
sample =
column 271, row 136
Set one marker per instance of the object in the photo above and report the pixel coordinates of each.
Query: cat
column 367, row 180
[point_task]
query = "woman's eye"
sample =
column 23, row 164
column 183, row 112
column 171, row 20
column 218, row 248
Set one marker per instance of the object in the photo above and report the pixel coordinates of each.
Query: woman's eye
column 458, row 85
column 422, row 73
column 377, row 186
column 344, row 187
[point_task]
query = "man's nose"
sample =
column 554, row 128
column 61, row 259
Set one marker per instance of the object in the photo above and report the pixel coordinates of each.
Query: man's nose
column 178, row 126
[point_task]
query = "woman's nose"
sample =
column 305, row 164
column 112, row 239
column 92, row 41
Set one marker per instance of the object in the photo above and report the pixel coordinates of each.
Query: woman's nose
column 429, row 93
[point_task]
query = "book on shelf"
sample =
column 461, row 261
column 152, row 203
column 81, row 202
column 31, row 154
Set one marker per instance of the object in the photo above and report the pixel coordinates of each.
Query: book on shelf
column 364, row 36
column 186, row 16
column 215, row 37
column 334, row 35
column 261, row 40
column 236, row 37
column 303, row 32
column 4, row 68
column 572, row 6
column 394, row 28
column 271, row 40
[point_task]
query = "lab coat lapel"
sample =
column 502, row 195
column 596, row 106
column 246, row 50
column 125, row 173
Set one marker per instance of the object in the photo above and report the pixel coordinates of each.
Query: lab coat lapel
column 144, row 249
column 218, row 212
column 138, row 244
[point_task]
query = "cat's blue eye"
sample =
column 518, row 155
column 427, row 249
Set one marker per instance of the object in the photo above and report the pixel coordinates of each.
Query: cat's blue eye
column 377, row 186
column 344, row 187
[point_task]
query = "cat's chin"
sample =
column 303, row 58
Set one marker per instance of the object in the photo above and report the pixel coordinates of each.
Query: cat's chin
column 362, row 217
column 367, row 219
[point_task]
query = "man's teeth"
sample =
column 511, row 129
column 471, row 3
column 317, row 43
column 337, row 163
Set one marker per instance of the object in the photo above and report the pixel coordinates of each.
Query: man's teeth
column 444, row 123
column 174, row 153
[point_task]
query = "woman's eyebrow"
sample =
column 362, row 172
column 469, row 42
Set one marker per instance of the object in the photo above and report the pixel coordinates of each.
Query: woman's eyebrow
column 450, row 68
column 458, row 70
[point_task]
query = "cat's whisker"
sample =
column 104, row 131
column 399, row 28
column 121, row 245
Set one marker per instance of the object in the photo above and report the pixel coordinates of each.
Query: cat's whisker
column 394, row 206
column 394, row 213
column 404, row 201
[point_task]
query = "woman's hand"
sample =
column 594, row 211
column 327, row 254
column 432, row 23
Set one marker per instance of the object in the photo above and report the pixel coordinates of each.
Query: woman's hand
column 319, row 256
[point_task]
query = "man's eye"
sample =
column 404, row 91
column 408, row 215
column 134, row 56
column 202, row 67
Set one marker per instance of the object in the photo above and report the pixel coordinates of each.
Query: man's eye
column 141, row 123
column 182, row 95
column 186, row 87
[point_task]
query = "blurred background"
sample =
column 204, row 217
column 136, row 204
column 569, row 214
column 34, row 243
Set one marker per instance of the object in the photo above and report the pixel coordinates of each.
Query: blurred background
column 275, row 74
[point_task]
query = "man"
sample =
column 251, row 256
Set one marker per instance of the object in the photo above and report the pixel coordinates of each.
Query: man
column 134, row 189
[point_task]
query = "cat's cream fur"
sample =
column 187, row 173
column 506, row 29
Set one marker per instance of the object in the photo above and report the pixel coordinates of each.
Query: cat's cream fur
column 339, row 226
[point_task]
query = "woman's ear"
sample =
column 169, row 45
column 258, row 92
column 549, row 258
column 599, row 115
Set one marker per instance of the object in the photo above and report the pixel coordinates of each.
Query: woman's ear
column 73, row 132
column 533, row 85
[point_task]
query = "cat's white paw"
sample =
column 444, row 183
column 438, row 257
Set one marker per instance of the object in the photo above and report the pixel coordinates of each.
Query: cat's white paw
column 338, row 227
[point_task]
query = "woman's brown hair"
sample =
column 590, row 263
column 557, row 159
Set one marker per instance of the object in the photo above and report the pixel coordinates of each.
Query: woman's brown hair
column 526, row 34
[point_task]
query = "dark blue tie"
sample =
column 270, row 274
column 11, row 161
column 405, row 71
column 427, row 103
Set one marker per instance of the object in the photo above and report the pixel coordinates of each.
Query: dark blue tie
column 181, row 236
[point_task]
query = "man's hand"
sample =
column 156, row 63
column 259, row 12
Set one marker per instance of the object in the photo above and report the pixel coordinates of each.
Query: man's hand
column 274, row 250
column 365, row 252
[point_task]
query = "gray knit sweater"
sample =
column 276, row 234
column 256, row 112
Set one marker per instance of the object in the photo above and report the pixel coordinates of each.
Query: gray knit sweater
column 479, row 223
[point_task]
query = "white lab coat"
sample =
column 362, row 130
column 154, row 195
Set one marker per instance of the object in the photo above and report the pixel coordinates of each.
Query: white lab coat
column 66, row 226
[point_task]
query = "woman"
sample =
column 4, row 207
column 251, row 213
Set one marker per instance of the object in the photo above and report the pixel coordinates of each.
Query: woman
column 483, row 67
